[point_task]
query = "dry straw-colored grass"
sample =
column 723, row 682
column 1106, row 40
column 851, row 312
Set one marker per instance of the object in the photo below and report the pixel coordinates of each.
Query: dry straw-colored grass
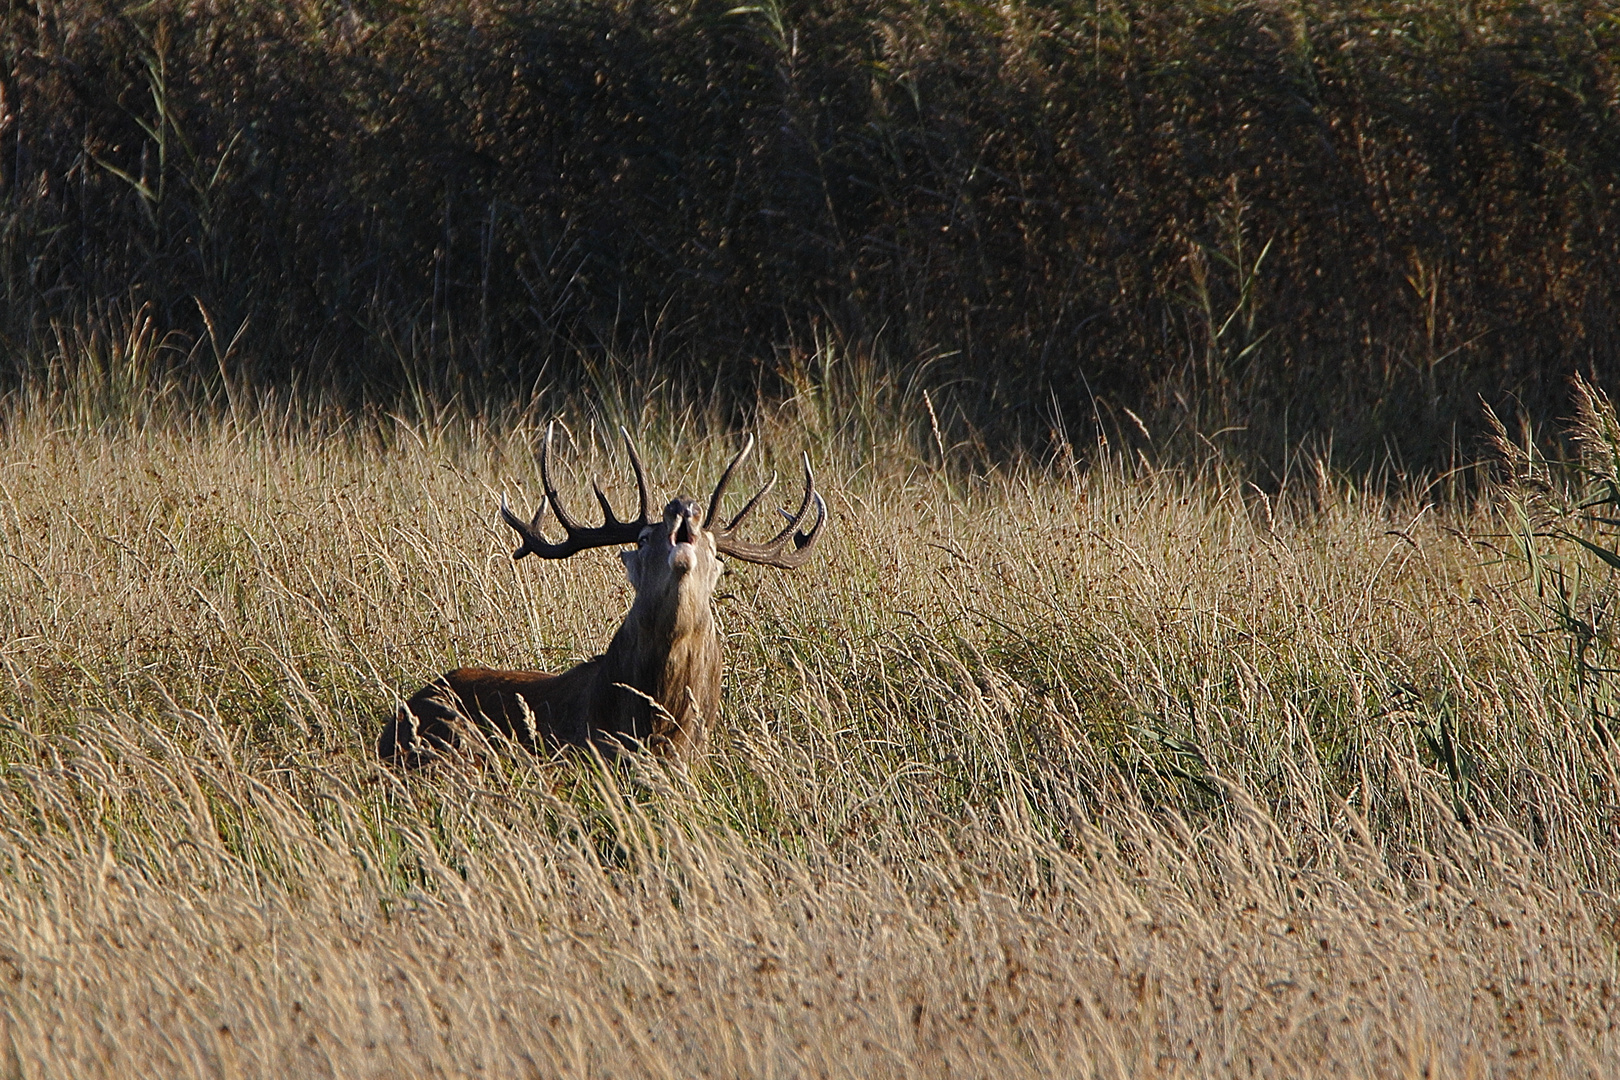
column 1053, row 773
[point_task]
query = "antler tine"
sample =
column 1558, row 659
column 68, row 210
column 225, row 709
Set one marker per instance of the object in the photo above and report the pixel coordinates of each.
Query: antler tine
column 608, row 516
column 793, row 519
column 804, row 507
column 611, row 531
column 641, row 475
column 570, row 526
column 755, row 501
column 774, row 551
column 720, row 488
column 533, row 542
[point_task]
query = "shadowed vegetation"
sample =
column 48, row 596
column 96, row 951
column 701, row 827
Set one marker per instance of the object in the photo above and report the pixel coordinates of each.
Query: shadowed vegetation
column 1342, row 220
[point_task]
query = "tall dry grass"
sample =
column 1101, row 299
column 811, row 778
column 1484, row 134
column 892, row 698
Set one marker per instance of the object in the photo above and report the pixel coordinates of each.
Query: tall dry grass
column 1051, row 771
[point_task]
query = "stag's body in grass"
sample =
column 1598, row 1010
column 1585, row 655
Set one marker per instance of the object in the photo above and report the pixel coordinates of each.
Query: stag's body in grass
column 658, row 683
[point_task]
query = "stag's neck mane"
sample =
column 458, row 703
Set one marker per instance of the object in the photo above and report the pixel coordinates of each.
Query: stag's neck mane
column 669, row 651
column 680, row 611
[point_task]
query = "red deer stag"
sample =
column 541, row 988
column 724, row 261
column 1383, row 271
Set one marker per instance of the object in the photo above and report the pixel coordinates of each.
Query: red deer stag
column 658, row 684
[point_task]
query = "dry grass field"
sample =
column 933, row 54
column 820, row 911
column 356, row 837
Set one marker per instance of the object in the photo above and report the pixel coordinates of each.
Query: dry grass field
column 1046, row 771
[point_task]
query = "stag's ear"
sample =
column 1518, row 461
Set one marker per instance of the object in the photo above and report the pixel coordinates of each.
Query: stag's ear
column 632, row 566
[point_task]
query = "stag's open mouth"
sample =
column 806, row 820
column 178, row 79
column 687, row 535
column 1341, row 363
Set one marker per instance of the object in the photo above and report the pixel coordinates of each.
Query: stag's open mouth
column 682, row 552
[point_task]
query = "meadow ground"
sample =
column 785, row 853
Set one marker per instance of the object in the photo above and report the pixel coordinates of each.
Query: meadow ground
column 1050, row 770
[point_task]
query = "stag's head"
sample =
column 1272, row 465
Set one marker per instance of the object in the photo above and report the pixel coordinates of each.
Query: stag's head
column 675, row 558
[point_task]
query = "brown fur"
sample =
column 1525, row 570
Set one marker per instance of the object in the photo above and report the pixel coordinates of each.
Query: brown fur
column 666, row 652
column 658, row 684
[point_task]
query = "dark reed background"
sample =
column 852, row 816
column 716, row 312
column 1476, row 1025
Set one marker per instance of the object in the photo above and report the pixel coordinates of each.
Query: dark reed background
column 1347, row 220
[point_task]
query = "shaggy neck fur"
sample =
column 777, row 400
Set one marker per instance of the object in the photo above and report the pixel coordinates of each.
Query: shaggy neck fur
column 667, row 649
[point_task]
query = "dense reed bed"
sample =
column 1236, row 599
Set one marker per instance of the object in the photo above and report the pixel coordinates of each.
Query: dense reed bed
column 1354, row 216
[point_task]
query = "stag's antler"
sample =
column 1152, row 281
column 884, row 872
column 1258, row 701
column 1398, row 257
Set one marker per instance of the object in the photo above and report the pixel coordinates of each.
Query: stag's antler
column 580, row 538
column 775, row 551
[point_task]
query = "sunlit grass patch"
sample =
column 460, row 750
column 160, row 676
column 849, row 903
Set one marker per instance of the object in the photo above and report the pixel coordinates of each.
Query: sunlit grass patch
column 1041, row 770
